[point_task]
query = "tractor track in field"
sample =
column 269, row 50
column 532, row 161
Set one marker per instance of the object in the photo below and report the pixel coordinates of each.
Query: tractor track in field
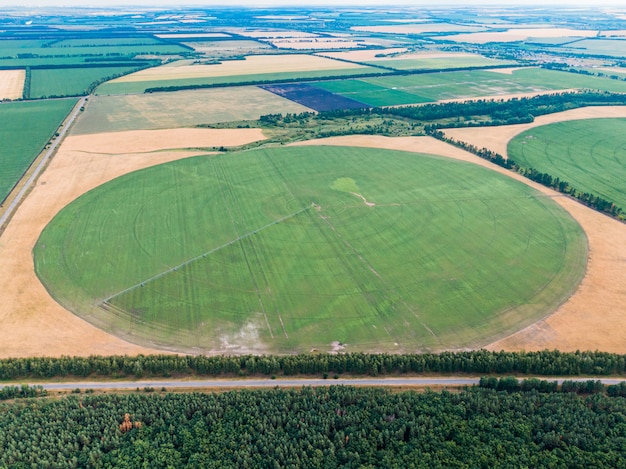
column 590, row 319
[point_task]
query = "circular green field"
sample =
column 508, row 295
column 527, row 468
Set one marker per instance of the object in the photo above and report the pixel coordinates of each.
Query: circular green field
column 289, row 249
column 589, row 154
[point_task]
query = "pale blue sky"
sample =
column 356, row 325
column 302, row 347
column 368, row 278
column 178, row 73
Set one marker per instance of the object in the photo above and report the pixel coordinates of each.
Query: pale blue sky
column 270, row 3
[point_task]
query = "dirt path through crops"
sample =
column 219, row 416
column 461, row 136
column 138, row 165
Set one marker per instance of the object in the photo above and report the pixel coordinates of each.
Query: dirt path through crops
column 32, row 323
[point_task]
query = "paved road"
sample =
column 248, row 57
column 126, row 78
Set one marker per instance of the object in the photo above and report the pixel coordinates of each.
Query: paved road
column 39, row 168
column 295, row 382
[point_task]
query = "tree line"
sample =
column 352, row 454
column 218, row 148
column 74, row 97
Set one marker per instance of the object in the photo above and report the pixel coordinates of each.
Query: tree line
column 499, row 112
column 591, row 200
column 336, row 426
column 546, row 363
column 512, row 384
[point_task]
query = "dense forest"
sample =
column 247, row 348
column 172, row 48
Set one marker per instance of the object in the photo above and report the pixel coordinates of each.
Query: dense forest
column 544, row 363
column 316, row 427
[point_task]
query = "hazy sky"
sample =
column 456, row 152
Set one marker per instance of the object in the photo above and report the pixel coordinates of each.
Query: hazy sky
column 263, row 3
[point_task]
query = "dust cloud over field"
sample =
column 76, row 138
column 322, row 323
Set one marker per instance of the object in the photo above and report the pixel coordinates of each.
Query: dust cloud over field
column 34, row 324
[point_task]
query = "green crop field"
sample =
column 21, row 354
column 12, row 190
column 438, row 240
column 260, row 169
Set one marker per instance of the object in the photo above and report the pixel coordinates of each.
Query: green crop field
column 25, row 127
column 42, row 50
column 410, row 89
column 141, row 86
column 370, row 93
column 440, row 63
column 70, row 81
column 289, row 249
column 597, row 46
column 589, row 154
column 108, row 41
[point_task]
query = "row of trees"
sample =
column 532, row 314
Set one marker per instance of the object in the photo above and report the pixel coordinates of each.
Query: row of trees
column 546, row 363
column 591, row 200
column 497, row 109
column 316, row 427
column 512, row 384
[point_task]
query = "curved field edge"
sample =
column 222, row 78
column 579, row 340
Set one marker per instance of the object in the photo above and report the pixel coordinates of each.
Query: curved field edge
column 588, row 154
column 592, row 319
column 546, row 297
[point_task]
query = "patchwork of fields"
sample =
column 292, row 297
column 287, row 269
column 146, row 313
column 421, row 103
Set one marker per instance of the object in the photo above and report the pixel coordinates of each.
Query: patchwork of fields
column 296, row 248
column 431, row 87
column 252, row 68
column 291, row 249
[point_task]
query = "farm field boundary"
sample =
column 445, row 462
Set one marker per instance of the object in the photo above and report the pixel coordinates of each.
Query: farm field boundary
column 25, row 128
column 26, row 313
column 270, row 270
column 591, row 318
column 39, row 325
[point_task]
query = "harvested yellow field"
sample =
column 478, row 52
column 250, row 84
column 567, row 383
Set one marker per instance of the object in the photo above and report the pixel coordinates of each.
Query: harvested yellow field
column 11, row 83
column 186, row 36
column 507, row 71
column 252, row 65
column 144, row 141
column 613, row 33
column 417, row 28
column 187, row 108
column 364, row 55
column 38, row 325
column 520, row 34
column 270, row 34
column 316, row 43
column 497, row 138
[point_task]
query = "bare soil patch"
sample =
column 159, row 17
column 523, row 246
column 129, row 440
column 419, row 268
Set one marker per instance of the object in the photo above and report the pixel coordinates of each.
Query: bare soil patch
column 11, row 83
column 252, row 65
column 33, row 323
